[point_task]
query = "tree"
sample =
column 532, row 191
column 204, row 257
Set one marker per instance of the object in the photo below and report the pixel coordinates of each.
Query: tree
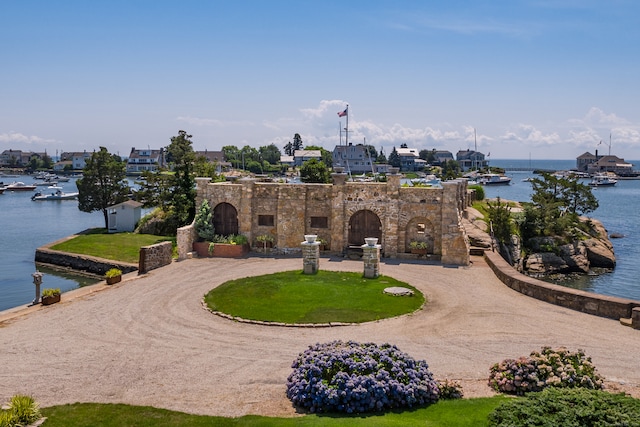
column 313, row 171
column 327, row 156
column 428, row 155
column 381, row 158
column 450, row 170
column 288, row 149
column 297, row 143
column 181, row 157
column 270, row 153
column 103, row 183
column 394, row 158
column 232, row 154
column 500, row 219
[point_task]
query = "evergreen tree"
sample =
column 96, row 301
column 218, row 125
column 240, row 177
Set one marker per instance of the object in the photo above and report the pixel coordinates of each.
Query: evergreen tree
column 394, row 158
column 103, row 183
column 297, row 143
column 203, row 222
column 181, row 157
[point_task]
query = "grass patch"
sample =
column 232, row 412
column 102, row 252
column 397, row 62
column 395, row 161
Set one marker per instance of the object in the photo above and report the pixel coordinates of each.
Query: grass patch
column 123, row 247
column 328, row 296
column 447, row 413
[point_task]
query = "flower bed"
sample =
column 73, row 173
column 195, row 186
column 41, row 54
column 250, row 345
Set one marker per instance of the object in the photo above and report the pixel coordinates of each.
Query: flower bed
column 357, row 378
column 550, row 367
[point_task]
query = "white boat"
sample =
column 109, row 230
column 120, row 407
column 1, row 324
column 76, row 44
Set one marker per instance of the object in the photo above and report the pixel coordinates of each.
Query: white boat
column 19, row 186
column 603, row 181
column 58, row 195
column 429, row 180
column 494, row 179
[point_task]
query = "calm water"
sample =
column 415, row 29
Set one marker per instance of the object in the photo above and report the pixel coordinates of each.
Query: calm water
column 26, row 225
column 617, row 211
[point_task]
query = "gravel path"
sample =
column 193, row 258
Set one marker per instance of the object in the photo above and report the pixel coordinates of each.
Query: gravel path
column 148, row 341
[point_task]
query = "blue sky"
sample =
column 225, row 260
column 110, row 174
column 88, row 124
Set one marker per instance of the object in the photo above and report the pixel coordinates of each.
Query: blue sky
column 539, row 78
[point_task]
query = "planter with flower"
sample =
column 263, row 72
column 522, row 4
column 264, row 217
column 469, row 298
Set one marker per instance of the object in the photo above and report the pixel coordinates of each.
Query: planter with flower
column 265, row 240
column 113, row 276
column 205, row 233
column 232, row 246
column 50, row 296
column 418, row 247
column 323, row 244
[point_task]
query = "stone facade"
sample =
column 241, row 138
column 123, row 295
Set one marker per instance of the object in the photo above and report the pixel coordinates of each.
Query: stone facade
column 335, row 211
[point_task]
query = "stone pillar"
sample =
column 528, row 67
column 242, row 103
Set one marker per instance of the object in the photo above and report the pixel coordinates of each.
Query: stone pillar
column 310, row 254
column 338, row 177
column 37, row 280
column 371, row 258
column 635, row 318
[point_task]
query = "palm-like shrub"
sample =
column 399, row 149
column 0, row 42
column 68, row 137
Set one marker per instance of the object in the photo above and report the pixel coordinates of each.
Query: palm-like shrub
column 549, row 367
column 357, row 378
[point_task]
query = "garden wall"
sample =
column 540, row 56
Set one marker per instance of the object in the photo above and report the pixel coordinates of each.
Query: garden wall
column 586, row 302
column 89, row 264
column 154, row 256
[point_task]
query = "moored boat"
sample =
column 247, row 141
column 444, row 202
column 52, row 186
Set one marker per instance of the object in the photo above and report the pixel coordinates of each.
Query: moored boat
column 494, row 179
column 603, row 181
column 19, row 186
column 58, row 195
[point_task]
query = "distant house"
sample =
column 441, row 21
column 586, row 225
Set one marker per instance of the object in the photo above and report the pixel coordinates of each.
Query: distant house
column 301, row 156
column 610, row 164
column 584, row 160
column 124, row 216
column 442, row 157
column 353, row 158
column 216, row 157
column 143, row 160
column 410, row 159
column 287, row 160
column 15, row 158
column 77, row 160
column 471, row 160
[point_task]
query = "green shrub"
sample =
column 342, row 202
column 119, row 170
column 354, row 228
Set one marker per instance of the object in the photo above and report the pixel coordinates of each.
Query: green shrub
column 567, row 408
column 23, row 410
column 550, row 367
column 6, row 419
column 450, row 389
column 479, row 191
column 203, row 222
column 113, row 272
column 50, row 292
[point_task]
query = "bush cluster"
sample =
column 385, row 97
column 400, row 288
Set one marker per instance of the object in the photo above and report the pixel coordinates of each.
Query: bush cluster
column 549, row 367
column 357, row 378
column 21, row 410
column 568, row 408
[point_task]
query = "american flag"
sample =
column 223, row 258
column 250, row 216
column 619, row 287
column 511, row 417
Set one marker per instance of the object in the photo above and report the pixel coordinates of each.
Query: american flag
column 343, row 113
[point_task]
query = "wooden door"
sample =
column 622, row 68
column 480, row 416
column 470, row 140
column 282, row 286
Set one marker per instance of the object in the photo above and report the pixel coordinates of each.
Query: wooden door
column 225, row 219
column 364, row 224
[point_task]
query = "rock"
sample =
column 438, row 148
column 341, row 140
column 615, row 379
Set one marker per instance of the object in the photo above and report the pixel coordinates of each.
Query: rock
column 575, row 256
column 600, row 253
column 616, row 236
column 544, row 263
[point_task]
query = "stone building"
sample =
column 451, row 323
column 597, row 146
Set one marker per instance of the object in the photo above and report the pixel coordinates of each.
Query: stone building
column 342, row 214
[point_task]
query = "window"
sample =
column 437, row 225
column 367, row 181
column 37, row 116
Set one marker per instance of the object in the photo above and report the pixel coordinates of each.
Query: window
column 421, row 228
column 266, row 220
column 319, row 222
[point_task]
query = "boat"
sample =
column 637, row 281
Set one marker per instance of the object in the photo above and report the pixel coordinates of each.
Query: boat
column 603, row 181
column 58, row 195
column 19, row 186
column 1, row 190
column 494, row 179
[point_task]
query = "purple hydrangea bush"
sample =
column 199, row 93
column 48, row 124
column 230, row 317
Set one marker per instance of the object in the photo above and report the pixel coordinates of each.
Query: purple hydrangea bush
column 357, row 378
column 547, row 368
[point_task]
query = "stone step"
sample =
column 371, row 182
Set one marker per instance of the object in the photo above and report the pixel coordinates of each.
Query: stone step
column 626, row 322
column 475, row 250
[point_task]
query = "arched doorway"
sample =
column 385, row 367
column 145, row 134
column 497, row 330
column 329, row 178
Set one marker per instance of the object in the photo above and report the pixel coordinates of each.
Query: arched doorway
column 364, row 224
column 225, row 219
column 419, row 230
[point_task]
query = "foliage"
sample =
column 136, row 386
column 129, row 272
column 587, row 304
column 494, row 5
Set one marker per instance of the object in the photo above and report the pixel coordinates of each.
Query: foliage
column 203, row 222
column 50, row 292
column 123, row 247
column 450, row 389
column 113, row 272
column 270, row 153
column 313, row 171
column 417, row 244
column 103, row 183
column 500, row 219
column 459, row 413
column 327, row 156
column 21, row 411
column 265, row 238
column 232, row 239
column 180, row 156
column 568, row 408
column 451, row 170
column 479, row 189
column 202, row 167
column 328, row 296
column 394, row 158
column 549, row 367
column 428, row 155
column 357, row 378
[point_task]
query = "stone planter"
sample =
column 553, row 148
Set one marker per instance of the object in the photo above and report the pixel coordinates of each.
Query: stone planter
column 419, row 251
column 113, row 280
column 202, row 249
column 310, row 238
column 220, row 250
column 51, row 299
column 371, row 241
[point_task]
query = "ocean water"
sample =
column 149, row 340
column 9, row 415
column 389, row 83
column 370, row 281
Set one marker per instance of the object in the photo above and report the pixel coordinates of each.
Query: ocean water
column 618, row 207
column 26, row 225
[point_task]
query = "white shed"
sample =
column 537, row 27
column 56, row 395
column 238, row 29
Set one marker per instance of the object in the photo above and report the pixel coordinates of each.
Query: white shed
column 124, row 216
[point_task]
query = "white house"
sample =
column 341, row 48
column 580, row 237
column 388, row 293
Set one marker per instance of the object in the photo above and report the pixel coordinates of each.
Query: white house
column 144, row 160
column 354, row 158
column 124, row 216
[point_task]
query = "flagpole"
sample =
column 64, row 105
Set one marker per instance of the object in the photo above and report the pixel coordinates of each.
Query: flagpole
column 347, row 128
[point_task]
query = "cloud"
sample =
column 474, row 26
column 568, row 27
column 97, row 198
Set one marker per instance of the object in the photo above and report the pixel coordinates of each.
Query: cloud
column 595, row 117
column 19, row 138
column 530, row 135
column 325, row 106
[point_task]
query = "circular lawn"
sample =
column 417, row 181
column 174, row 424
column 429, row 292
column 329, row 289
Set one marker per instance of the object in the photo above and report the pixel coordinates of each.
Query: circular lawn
column 325, row 297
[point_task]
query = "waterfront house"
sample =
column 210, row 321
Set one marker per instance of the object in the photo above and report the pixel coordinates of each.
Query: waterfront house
column 215, row 157
column 410, row 159
column 442, row 157
column 354, row 159
column 124, row 216
column 144, row 159
column 301, row 156
column 471, row 160
column 594, row 164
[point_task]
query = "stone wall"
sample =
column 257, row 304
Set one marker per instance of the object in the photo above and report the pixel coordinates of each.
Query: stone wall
column 154, row 256
column 294, row 206
column 85, row 263
column 586, row 302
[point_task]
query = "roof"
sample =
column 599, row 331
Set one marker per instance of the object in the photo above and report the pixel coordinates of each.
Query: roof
column 212, row 156
column 586, row 155
column 307, row 153
column 129, row 203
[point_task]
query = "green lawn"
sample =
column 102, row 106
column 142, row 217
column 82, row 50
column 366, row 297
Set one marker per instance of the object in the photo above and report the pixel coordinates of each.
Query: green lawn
column 447, row 413
column 123, row 247
column 328, row 296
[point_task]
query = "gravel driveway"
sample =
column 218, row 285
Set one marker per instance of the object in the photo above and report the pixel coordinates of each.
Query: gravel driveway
column 148, row 340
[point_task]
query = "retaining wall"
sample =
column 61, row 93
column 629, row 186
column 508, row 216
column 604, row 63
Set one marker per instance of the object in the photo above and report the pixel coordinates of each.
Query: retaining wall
column 85, row 263
column 586, row 302
column 154, row 256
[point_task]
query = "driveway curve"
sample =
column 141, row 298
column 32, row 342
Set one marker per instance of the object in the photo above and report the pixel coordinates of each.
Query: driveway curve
column 148, row 340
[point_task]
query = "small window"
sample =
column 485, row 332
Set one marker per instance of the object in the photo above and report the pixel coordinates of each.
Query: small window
column 266, row 220
column 421, row 228
column 319, row 222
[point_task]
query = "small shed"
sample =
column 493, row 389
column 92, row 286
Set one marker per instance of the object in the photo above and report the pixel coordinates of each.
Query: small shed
column 124, row 216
